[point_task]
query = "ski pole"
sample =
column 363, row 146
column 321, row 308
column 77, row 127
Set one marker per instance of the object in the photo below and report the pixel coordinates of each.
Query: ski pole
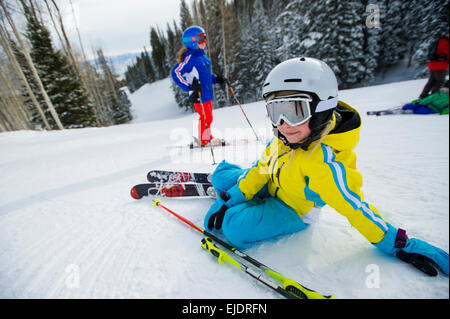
column 293, row 287
column 245, row 115
column 207, row 127
column 222, row 257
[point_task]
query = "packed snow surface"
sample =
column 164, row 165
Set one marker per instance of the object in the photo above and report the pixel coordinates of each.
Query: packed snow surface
column 69, row 228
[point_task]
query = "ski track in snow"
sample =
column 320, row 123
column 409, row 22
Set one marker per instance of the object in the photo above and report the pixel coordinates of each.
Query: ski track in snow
column 69, row 228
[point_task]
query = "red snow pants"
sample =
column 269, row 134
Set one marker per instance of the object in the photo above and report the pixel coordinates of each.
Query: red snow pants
column 208, row 116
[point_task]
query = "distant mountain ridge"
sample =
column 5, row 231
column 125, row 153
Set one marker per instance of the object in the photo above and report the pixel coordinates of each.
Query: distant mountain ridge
column 120, row 62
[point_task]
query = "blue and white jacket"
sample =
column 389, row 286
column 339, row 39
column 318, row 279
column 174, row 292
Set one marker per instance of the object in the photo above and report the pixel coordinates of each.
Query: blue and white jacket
column 195, row 65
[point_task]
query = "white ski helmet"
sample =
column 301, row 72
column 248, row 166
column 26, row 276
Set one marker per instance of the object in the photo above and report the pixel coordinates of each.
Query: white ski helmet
column 306, row 75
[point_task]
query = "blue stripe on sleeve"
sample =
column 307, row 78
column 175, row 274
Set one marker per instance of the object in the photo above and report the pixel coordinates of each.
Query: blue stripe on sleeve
column 340, row 179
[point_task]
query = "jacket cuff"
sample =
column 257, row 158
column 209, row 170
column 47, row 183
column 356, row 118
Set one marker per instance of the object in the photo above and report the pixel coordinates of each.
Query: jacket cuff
column 236, row 196
column 388, row 243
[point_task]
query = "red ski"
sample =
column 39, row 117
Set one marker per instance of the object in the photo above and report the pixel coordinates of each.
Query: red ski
column 173, row 190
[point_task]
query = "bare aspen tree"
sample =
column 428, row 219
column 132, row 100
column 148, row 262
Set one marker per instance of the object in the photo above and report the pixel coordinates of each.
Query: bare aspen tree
column 5, row 42
column 73, row 59
column 8, row 109
column 13, row 106
column 102, row 91
column 69, row 47
column 90, row 77
column 224, row 47
column 99, row 94
column 33, row 11
column 4, row 116
column 56, row 28
column 108, row 74
column 2, row 127
column 32, row 67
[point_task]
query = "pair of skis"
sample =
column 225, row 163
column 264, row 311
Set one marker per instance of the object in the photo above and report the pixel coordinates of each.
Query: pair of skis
column 197, row 144
column 393, row 111
column 175, row 184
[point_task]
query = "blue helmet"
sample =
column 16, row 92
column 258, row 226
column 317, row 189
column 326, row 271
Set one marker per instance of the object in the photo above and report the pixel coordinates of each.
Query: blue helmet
column 191, row 37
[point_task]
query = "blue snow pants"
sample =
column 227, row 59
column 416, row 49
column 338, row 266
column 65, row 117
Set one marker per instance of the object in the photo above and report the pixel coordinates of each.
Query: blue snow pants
column 418, row 108
column 260, row 218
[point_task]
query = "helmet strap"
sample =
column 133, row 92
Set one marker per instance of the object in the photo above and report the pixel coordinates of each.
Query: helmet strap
column 303, row 144
column 316, row 131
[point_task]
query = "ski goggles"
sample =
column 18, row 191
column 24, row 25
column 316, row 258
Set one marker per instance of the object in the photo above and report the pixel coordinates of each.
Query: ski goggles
column 201, row 38
column 294, row 110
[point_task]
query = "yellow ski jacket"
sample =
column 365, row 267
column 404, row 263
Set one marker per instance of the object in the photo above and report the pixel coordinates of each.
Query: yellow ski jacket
column 325, row 173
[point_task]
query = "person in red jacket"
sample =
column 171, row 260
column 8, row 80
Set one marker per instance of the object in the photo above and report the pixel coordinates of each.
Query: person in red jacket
column 438, row 67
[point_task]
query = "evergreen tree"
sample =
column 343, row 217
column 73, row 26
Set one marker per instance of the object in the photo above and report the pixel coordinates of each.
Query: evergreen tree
column 244, row 82
column 59, row 78
column 118, row 104
column 247, row 38
column 35, row 117
column 148, row 67
column 372, row 42
column 157, row 43
column 241, row 68
column 213, row 30
column 140, row 73
column 290, row 27
column 196, row 20
column 131, row 79
column 201, row 14
column 432, row 21
column 352, row 60
column 260, row 43
column 393, row 34
column 185, row 16
column 120, row 107
column 215, row 47
column 337, row 38
column 172, row 48
column 232, row 44
column 116, row 99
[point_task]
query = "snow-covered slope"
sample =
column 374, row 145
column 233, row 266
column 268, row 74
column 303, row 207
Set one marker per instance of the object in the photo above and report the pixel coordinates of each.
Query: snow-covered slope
column 69, row 228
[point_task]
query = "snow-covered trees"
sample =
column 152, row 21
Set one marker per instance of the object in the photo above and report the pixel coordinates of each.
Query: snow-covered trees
column 113, row 96
column 158, row 43
column 49, row 88
column 141, row 72
column 266, row 32
column 59, row 78
column 431, row 20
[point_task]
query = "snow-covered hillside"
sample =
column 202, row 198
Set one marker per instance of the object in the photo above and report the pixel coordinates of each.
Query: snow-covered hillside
column 69, row 228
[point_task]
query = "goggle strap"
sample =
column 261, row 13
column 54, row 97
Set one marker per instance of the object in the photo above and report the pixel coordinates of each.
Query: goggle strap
column 326, row 105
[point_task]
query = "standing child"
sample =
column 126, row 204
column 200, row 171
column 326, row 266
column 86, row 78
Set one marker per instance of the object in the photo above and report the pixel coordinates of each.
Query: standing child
column 438, row 66
column 193, row 74
column 309, row 163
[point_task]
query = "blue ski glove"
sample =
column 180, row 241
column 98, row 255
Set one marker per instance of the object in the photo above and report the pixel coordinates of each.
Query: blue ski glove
column 419, row 253
column 214, row 216
column 194, row 90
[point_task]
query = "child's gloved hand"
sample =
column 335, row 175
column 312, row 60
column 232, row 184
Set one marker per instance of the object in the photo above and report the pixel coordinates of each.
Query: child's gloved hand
column 418, row 253
column 214, row 216
column 196, row 86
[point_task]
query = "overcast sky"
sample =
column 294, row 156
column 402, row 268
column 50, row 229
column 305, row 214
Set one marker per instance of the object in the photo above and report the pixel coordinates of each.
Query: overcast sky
column 117, row 26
